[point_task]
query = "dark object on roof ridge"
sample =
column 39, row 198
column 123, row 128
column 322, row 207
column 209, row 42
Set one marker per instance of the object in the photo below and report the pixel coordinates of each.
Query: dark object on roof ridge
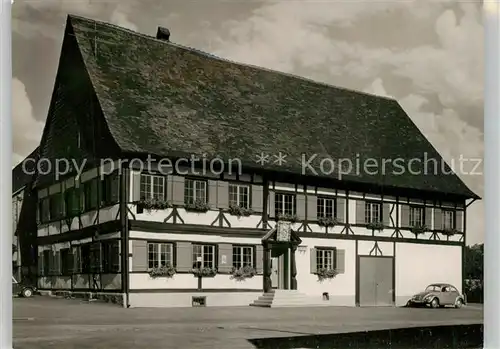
column 163, row 34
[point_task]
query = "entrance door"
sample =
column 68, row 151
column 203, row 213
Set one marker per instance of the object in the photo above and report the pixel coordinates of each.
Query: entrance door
column 375, row 281
column 275, row 272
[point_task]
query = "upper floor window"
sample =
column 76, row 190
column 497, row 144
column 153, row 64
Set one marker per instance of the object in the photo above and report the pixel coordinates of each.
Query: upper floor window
column 416, row 216
column 326, row 207
column 284, row 204
column 325, row 258
column 110, row 189
column 160, row 254
column 448, row 219
column 90, row 197
column 195, row 190
column 203, row 256
column 238, row 195
column 152, row 187
column 71, row 202
column 373, row 212
column 242, row 256
column 56, row 207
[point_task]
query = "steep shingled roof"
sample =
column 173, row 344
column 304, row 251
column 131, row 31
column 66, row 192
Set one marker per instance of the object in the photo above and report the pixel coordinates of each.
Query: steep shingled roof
column 22, row 176
column 164, row 99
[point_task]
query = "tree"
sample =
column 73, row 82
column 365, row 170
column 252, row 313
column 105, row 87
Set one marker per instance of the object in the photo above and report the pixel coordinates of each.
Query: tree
column 474, row 256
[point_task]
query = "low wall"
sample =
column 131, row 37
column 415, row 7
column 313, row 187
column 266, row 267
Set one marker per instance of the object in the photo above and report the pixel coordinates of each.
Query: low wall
column 455, row 336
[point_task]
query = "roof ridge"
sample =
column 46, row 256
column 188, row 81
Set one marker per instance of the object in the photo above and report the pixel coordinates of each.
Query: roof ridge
column 210, row 55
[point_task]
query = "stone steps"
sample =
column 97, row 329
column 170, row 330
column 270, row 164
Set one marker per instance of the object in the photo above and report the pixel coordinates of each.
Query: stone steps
column 288, row 298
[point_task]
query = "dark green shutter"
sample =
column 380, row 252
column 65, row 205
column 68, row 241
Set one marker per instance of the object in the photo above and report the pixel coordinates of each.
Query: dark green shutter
column 139, row 255
column 301, row 206
column 222, row 194
column 259, row 259
column 438, row 219
column 136, row 186
column 340, row 261
column 225, row 254
column 184, row 260
column 57, row 263
column 459, row 221
column 312, row 258
column 386, row 215
column 360, row 211
column 212, row 194
column 115, row 188
column 257, row 198
column 71, row 261
column 271, row 210
column 405, row 216
column 178, row 190
column 312, row 207
column 340, row 202
column 428, row 217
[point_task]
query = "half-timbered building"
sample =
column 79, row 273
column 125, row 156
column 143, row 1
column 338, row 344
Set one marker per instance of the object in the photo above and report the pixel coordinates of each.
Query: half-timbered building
column 269, row 222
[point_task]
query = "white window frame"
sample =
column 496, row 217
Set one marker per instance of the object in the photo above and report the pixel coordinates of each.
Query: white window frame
column 241, row 251
column 448, row 216
column 149, row 181
column 321, row 209
column 166, row 257
column 193, row 191
column 204, row 249
column 325, row 258
column 283, row 203
column 239, row 195
column 373, row 215
column 416, row 216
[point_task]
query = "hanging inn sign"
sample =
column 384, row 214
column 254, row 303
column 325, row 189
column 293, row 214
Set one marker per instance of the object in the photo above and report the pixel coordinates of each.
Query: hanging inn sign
column 283, row 230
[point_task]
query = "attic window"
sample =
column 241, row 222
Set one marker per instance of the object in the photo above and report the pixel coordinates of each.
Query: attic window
column 163, row 34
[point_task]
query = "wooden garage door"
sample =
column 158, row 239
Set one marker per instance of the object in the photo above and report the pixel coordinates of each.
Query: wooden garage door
column 375, row 281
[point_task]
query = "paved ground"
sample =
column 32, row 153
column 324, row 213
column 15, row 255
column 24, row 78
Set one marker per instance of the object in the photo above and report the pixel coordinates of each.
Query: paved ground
column 44, row 322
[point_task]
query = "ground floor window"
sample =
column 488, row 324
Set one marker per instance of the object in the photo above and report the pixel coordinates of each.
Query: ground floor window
column 242, row 256
column 111, row 256
column 46, row 262
column 203, row 256
column 159, row 254
column 325, row 259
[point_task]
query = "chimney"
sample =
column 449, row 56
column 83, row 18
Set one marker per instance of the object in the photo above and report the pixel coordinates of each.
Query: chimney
column 163, row 34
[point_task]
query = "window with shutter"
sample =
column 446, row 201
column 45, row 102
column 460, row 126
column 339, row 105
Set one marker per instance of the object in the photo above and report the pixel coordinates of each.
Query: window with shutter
column 243, row 256
column 326, row 207
column 373, row 212
column 195, row 191
column 152, row 187
column 239, row 195
column 416, row 216
column 284, row 204
column 325, row 258
column 203, row 256
column 65, row 261
column 160, row 254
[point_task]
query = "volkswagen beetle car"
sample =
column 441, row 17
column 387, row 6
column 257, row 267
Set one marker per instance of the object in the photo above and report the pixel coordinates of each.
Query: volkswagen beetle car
column 438, row 295
column 23, row 290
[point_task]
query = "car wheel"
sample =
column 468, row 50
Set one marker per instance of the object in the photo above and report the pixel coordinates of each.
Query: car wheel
column 409, row 304
column 27, row 293
column 435, row 303
column 459, row 303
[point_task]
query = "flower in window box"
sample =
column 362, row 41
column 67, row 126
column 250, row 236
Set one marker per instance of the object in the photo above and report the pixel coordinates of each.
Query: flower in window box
column 449, row 231
column 243, row 273
column 197, row 206
column 154, row 204
column 204, row 272
column 288, row 217
column 325, row 273
column 327, row 221
column 239, row 211
column 419, row 229
column 167, row 271
column 375, row 226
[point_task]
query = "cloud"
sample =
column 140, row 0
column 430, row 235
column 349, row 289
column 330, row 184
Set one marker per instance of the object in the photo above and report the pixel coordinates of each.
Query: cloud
column 26, row 131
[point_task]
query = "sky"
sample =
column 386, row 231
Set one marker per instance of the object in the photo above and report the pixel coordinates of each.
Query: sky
column 426, row 54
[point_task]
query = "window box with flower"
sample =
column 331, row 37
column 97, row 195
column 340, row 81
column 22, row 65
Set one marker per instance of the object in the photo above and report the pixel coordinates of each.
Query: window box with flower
column 419, row 229
column 167, row 271
column 153, row 204
column 243, row 273
column 327, row 221
column 379, row 226
column 197, row 206
column 326, row 274
column 204, row 272
column 239, row 211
